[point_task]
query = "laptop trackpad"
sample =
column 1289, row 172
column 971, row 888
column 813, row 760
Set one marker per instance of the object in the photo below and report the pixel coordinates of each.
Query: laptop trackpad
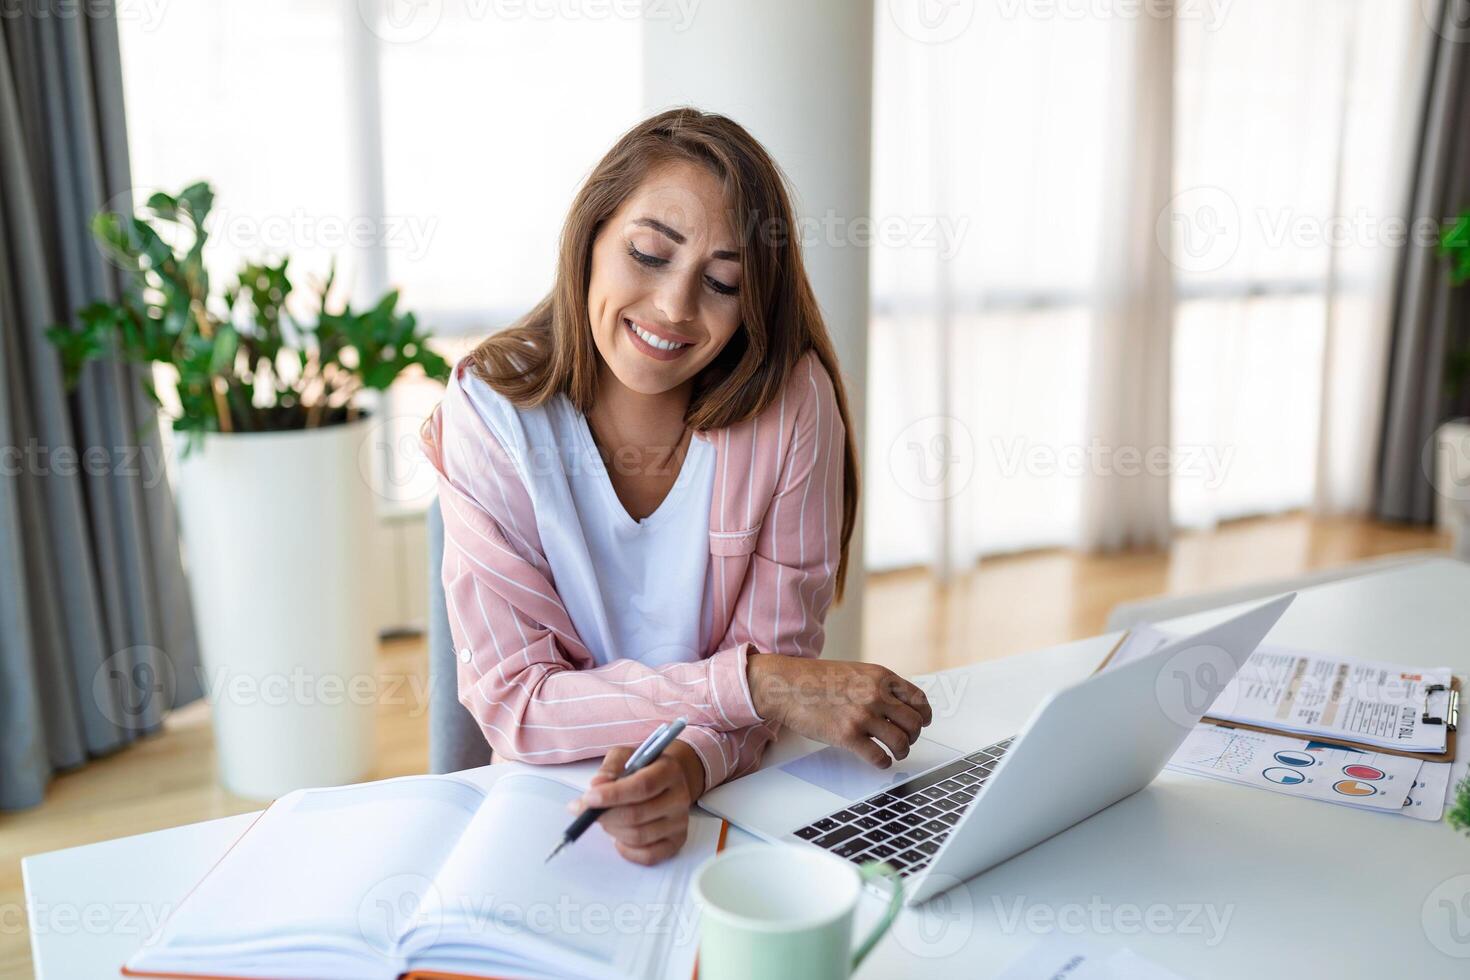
column 839, row 771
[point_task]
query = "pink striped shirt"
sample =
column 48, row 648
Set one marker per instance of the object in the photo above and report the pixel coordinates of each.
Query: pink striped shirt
column 774, row 539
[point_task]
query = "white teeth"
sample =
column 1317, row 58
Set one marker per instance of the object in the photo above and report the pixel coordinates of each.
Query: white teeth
column 653, row 341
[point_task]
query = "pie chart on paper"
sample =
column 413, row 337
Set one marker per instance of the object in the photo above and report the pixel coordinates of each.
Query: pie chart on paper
column 1284, row 776
column 1359, row 771
column 1354, row 787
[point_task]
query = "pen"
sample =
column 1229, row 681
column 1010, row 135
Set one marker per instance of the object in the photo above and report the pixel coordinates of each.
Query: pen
column 653, row 746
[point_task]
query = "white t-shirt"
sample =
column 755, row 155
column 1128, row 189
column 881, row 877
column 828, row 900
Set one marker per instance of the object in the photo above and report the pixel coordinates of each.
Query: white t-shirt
column 634, row 589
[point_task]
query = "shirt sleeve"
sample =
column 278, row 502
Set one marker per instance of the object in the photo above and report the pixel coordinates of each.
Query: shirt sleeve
column 792, row 577
column 524, row 673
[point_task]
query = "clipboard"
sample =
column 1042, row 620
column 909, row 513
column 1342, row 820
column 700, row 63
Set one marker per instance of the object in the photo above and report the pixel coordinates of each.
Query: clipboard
column 1451, row 720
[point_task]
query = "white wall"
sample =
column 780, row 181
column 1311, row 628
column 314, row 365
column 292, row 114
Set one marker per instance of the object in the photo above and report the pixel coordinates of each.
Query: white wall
column 799, row 77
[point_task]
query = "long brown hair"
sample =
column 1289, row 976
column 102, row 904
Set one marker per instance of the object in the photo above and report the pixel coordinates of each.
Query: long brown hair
column 550, row 350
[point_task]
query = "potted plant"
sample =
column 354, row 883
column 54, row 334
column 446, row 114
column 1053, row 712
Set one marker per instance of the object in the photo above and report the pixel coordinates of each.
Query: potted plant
column 273, row 509
column 1452, row 440
column 1459, row 812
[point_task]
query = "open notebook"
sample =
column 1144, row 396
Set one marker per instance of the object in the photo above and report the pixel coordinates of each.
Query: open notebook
column 432, row 876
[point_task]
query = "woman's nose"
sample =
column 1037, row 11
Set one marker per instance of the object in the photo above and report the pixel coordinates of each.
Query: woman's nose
column 678, row 300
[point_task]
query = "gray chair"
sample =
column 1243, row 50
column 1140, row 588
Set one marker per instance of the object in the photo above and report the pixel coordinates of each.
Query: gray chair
column 455, row 740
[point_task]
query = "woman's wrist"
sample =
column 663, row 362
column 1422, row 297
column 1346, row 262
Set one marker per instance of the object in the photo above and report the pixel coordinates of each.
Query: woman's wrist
column 761, row 670
column 690, row 765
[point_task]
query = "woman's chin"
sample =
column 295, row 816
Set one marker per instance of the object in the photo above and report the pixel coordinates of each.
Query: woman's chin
column 647, row 376
column 648, row 381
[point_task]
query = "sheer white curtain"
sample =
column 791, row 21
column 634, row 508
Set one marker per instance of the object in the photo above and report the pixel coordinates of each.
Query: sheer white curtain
column 1125, row 496
column 1295, row 124
column 992, row 143
column 1135, row 326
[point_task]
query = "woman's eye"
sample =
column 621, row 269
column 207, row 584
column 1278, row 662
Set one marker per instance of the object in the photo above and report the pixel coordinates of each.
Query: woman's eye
column 643, row 258
column 654, row 262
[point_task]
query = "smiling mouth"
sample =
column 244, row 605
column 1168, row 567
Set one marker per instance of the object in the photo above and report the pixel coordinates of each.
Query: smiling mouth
column 652, row 340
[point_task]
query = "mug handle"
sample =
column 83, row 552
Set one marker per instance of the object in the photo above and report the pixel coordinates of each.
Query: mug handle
column 869, row 871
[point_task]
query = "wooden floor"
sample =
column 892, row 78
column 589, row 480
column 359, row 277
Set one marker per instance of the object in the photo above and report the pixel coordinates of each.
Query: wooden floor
column 914, row 625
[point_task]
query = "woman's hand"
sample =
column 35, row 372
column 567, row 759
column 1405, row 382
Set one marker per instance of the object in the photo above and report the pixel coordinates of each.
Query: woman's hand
column 840, row 703
column 648, row 815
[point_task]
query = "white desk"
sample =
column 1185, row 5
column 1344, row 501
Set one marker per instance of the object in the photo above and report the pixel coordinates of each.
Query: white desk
column 1302, row 888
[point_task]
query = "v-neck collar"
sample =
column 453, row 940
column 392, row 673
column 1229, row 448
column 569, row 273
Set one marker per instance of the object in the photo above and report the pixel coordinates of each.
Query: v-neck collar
column 697, row 447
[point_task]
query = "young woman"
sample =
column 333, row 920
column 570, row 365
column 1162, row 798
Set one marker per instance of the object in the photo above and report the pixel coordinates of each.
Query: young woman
column 649, row 488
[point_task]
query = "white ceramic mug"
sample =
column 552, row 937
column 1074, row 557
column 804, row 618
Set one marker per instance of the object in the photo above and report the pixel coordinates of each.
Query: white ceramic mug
column 778, row 911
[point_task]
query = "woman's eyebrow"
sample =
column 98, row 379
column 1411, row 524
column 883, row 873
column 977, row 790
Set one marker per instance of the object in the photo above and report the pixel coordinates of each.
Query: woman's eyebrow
column 678, row 237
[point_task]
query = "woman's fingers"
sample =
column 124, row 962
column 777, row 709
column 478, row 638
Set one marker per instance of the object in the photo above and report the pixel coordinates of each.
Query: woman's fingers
column 661, row 851
column 661, row 827
column 890, row 735
column 866, row 749
column 668, row 802
column 653, row 830
column 612, row 765
column 910, row 694
column 642, row 785
column 906, row 718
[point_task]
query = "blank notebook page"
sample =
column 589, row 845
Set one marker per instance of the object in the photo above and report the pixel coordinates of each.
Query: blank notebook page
column 305, row 865
column 589, row 904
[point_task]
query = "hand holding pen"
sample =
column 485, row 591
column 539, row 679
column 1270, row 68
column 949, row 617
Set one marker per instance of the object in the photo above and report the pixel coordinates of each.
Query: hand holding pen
column 655, row 829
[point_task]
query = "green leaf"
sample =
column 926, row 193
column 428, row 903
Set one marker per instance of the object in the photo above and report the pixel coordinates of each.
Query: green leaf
column 226, row 343
column 1455, row 245
column 110, row 233
column 164, row 205
column 168, row 315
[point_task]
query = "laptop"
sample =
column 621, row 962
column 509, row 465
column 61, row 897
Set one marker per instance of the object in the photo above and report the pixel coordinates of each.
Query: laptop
column 940, row 817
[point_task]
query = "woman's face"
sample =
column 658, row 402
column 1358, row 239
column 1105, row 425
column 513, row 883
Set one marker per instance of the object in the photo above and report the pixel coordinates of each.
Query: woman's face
column 663, row 297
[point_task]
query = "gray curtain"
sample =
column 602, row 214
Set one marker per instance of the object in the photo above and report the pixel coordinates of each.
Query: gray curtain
column 1431, row 318
column 96, row 634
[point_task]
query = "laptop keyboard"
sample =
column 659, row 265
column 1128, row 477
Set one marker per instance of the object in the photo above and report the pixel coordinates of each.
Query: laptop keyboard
column 906, row 824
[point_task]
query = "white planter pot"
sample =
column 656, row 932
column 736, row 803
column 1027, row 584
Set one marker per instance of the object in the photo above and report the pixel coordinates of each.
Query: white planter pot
column 1452, row 479
column 275, row 528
